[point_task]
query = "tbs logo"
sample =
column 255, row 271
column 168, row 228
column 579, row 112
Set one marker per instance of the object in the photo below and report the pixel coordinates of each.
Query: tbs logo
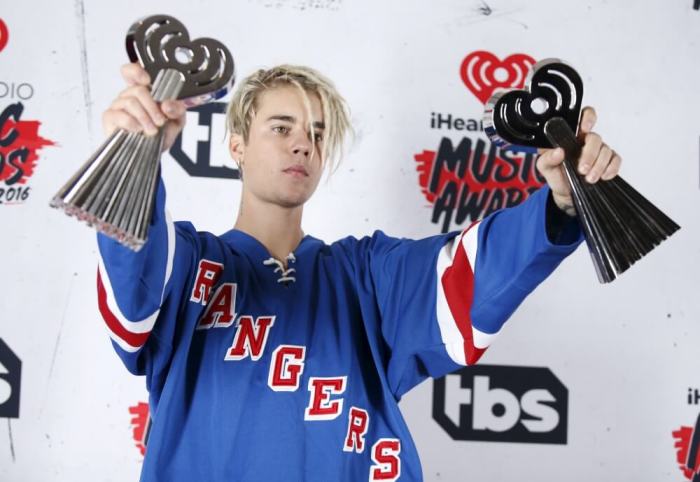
column 200, row 148
column 502, row 404
column 10, row 379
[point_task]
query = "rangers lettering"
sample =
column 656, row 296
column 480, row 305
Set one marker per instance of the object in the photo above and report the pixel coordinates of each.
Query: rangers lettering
column 207, row 275
column 387, row 464
column 250, row 337
column 358, row 421
column 286, row 368
column 221, row 312
column 320, row 406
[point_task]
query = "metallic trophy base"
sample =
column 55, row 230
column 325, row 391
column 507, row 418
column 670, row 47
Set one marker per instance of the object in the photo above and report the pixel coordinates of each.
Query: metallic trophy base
column 621, row 226
column 114, row 191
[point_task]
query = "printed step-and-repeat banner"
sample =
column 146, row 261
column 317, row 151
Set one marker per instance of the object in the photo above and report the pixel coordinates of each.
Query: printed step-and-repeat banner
column 586, row 382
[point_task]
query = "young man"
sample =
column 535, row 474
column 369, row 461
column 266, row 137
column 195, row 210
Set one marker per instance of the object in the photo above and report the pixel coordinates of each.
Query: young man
column 271, row 356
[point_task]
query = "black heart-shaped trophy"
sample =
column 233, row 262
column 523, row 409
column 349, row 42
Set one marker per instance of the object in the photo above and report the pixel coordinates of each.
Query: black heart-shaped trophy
column 620, row 225
column 114, row 191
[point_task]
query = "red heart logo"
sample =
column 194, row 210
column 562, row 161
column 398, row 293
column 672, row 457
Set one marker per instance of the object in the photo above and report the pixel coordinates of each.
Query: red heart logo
column 483, row 73
column 4, row 35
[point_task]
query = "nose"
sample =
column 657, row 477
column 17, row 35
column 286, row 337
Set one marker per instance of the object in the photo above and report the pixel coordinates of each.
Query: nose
column 304, row 151
column 301, row 145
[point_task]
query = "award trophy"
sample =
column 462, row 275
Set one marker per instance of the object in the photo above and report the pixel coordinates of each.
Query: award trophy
column 115, row 189
column 620, row 225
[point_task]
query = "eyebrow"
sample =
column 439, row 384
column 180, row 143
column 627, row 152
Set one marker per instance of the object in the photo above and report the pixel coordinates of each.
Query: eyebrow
column 292, row 120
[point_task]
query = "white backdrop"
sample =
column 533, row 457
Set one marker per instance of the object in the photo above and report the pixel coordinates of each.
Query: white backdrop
column 627, row 352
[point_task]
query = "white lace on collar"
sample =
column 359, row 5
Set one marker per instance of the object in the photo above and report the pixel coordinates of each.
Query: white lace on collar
column 285, row 274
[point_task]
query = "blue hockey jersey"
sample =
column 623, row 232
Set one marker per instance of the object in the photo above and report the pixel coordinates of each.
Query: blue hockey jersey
column 261, row 372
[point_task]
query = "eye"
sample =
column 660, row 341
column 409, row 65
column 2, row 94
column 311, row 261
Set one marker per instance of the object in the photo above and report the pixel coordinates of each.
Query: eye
column 318, row 137
column 280, row 129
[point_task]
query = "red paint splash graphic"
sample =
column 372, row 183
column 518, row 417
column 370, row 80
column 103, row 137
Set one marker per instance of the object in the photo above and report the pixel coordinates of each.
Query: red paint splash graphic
column 425, row 165
column 140, row 423
column 683, row 436
column 28, row 138
column 4, row 35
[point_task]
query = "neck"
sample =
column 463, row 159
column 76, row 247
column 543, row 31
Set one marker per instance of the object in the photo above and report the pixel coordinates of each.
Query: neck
column 277, row 228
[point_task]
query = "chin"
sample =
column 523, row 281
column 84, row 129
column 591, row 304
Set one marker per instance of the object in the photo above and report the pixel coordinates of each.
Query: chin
column 292, row 200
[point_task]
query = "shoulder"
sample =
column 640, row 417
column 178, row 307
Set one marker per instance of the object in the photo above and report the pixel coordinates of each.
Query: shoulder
column 379, row 243
column 352, row 244
column 201, row 243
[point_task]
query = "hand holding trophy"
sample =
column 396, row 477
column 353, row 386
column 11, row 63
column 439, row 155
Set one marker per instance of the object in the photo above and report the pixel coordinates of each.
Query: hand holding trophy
column 620, row 225
column 114, row 190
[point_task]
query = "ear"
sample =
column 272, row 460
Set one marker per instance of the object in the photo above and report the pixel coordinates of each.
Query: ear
column 236, row 147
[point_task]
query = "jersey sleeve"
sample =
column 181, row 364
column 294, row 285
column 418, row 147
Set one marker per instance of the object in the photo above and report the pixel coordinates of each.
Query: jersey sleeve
column 443, row 299
column 138, row 293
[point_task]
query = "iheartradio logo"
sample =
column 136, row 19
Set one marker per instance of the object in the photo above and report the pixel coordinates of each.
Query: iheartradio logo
column 482, row 72
column 467, row 177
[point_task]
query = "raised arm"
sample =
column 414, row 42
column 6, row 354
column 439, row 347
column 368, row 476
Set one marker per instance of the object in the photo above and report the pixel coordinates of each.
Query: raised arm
column 131, row 286
column 444, row 299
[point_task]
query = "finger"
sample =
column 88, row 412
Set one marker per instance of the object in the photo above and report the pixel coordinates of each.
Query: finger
column 172, row 129
column 589, row 153
column 114, row 119
column 133, row 107
column 551, row 158
column 613, row 168
column 588, row 120
column 174, row 109
column 601, row 163
column 134, row 74
column 180, row 122
column 143, row 95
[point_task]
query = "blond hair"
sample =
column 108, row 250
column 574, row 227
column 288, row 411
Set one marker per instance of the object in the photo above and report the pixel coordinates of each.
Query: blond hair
column 241, row 108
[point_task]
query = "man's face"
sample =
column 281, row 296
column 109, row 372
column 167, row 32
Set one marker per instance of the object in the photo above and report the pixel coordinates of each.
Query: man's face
column 281, row 164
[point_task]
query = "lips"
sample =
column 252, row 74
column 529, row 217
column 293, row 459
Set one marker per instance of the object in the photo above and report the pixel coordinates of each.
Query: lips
column 297, row 170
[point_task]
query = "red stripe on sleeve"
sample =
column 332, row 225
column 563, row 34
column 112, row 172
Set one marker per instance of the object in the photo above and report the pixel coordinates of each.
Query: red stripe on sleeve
column 134, row 339
column 458, row 285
